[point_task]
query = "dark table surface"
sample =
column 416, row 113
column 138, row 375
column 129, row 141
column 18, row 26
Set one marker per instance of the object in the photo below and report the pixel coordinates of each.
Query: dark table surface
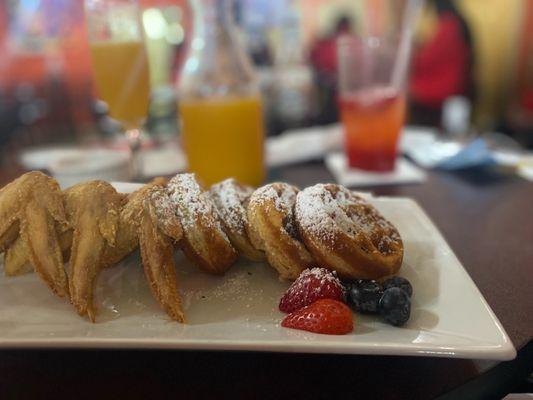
column 488, row 221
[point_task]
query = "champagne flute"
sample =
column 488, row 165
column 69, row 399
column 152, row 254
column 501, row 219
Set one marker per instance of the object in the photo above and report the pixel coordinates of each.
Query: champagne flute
column 120, row 64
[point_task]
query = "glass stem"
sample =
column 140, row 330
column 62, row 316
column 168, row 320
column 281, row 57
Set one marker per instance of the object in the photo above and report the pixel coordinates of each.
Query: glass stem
column 134, row 141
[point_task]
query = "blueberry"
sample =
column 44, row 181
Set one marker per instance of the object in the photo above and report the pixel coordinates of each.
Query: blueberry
column 395, row 306
column 399, row 282
column 346, row 287
column 364, row 296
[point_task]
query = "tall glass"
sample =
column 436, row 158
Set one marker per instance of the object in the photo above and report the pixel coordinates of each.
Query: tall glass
column 219, row 101
column 372, row 75
column 119, row 61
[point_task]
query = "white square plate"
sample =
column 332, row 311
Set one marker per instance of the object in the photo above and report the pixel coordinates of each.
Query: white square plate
column 239, row 311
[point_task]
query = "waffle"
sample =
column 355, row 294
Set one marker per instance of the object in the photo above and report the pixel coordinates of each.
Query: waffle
column 231, row 200
column 347, row 234
column 204, row 241
column 273, row 229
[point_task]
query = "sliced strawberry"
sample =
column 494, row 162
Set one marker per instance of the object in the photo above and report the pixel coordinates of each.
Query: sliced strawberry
column 312, row 284
column 326, row 316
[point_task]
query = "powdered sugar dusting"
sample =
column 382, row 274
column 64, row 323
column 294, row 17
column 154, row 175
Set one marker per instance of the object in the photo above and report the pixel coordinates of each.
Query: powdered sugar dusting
column 286, row 199
column 283, row 197
column 282, row 194
column 315, row 212
column 233, row 286
column 312, row 284
column 325, row 210
column 322, row 275
column 229, row 198
column 192, row 203
column 164, row 208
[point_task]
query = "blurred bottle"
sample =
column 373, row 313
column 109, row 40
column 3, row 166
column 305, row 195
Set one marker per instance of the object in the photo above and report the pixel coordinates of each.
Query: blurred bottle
column 219, row 101
column 456, row 112
column 293, row 77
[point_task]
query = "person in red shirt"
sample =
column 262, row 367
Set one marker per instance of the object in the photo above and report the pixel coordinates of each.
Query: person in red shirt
column 442, row 66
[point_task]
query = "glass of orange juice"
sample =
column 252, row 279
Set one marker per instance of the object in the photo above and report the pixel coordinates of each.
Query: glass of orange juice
column 219, row 103
column 119, row 62
column 372, row 71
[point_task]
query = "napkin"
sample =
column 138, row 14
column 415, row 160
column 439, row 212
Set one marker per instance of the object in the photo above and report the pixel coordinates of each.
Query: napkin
column 429, row 151
column 405, row 172
column 300, row 145
column 474, row 154
column 521, row 162
column 526, row 171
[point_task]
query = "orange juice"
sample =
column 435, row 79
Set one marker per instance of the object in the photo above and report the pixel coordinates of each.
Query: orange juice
column 122, row 78
column 224, row 138
column 372, row 121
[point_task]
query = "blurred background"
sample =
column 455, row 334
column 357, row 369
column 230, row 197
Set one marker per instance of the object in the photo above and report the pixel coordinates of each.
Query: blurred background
column 475, row 55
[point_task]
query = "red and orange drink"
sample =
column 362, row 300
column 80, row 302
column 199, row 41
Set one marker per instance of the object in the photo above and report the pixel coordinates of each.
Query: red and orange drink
column 372, row 70
column 372, row 120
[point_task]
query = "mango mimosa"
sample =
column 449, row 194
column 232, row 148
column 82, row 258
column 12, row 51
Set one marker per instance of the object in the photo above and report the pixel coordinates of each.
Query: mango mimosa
column 122, row 78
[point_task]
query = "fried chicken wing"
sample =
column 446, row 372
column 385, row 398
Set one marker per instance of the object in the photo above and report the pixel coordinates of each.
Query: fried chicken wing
column 17, row 262
column 9, row 236
column 93, row 211
column 127, row 238
column 143, row 221
column 158, row 232
column 99, row 227
column 32, row 206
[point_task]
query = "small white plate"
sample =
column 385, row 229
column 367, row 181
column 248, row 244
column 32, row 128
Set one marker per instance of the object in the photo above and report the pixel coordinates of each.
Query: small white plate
column 239, row 311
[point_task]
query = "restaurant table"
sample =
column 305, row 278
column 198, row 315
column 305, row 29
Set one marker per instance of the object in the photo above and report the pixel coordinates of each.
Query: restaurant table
column 488, row 221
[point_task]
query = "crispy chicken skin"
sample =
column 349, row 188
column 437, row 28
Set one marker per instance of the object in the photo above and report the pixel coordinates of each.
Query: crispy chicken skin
column 16, row 261
column 104, row 227
column 127, row 239
column 93, row 213
column 93, row 227
column 32, row 207
column 158, row 233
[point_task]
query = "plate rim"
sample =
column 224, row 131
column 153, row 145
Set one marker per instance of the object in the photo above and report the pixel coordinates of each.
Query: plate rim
column 502, row 352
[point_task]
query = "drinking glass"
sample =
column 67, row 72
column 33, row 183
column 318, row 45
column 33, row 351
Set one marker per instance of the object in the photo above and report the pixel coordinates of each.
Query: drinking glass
column 120, row 64
column 372, row 73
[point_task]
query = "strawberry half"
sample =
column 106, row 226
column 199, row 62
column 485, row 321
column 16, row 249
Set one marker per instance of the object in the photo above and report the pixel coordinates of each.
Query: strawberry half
column 327, row 316
column 312, row 284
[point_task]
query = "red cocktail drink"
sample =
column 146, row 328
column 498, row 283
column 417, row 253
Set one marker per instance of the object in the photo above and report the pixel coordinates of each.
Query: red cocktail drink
column 372, row 120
